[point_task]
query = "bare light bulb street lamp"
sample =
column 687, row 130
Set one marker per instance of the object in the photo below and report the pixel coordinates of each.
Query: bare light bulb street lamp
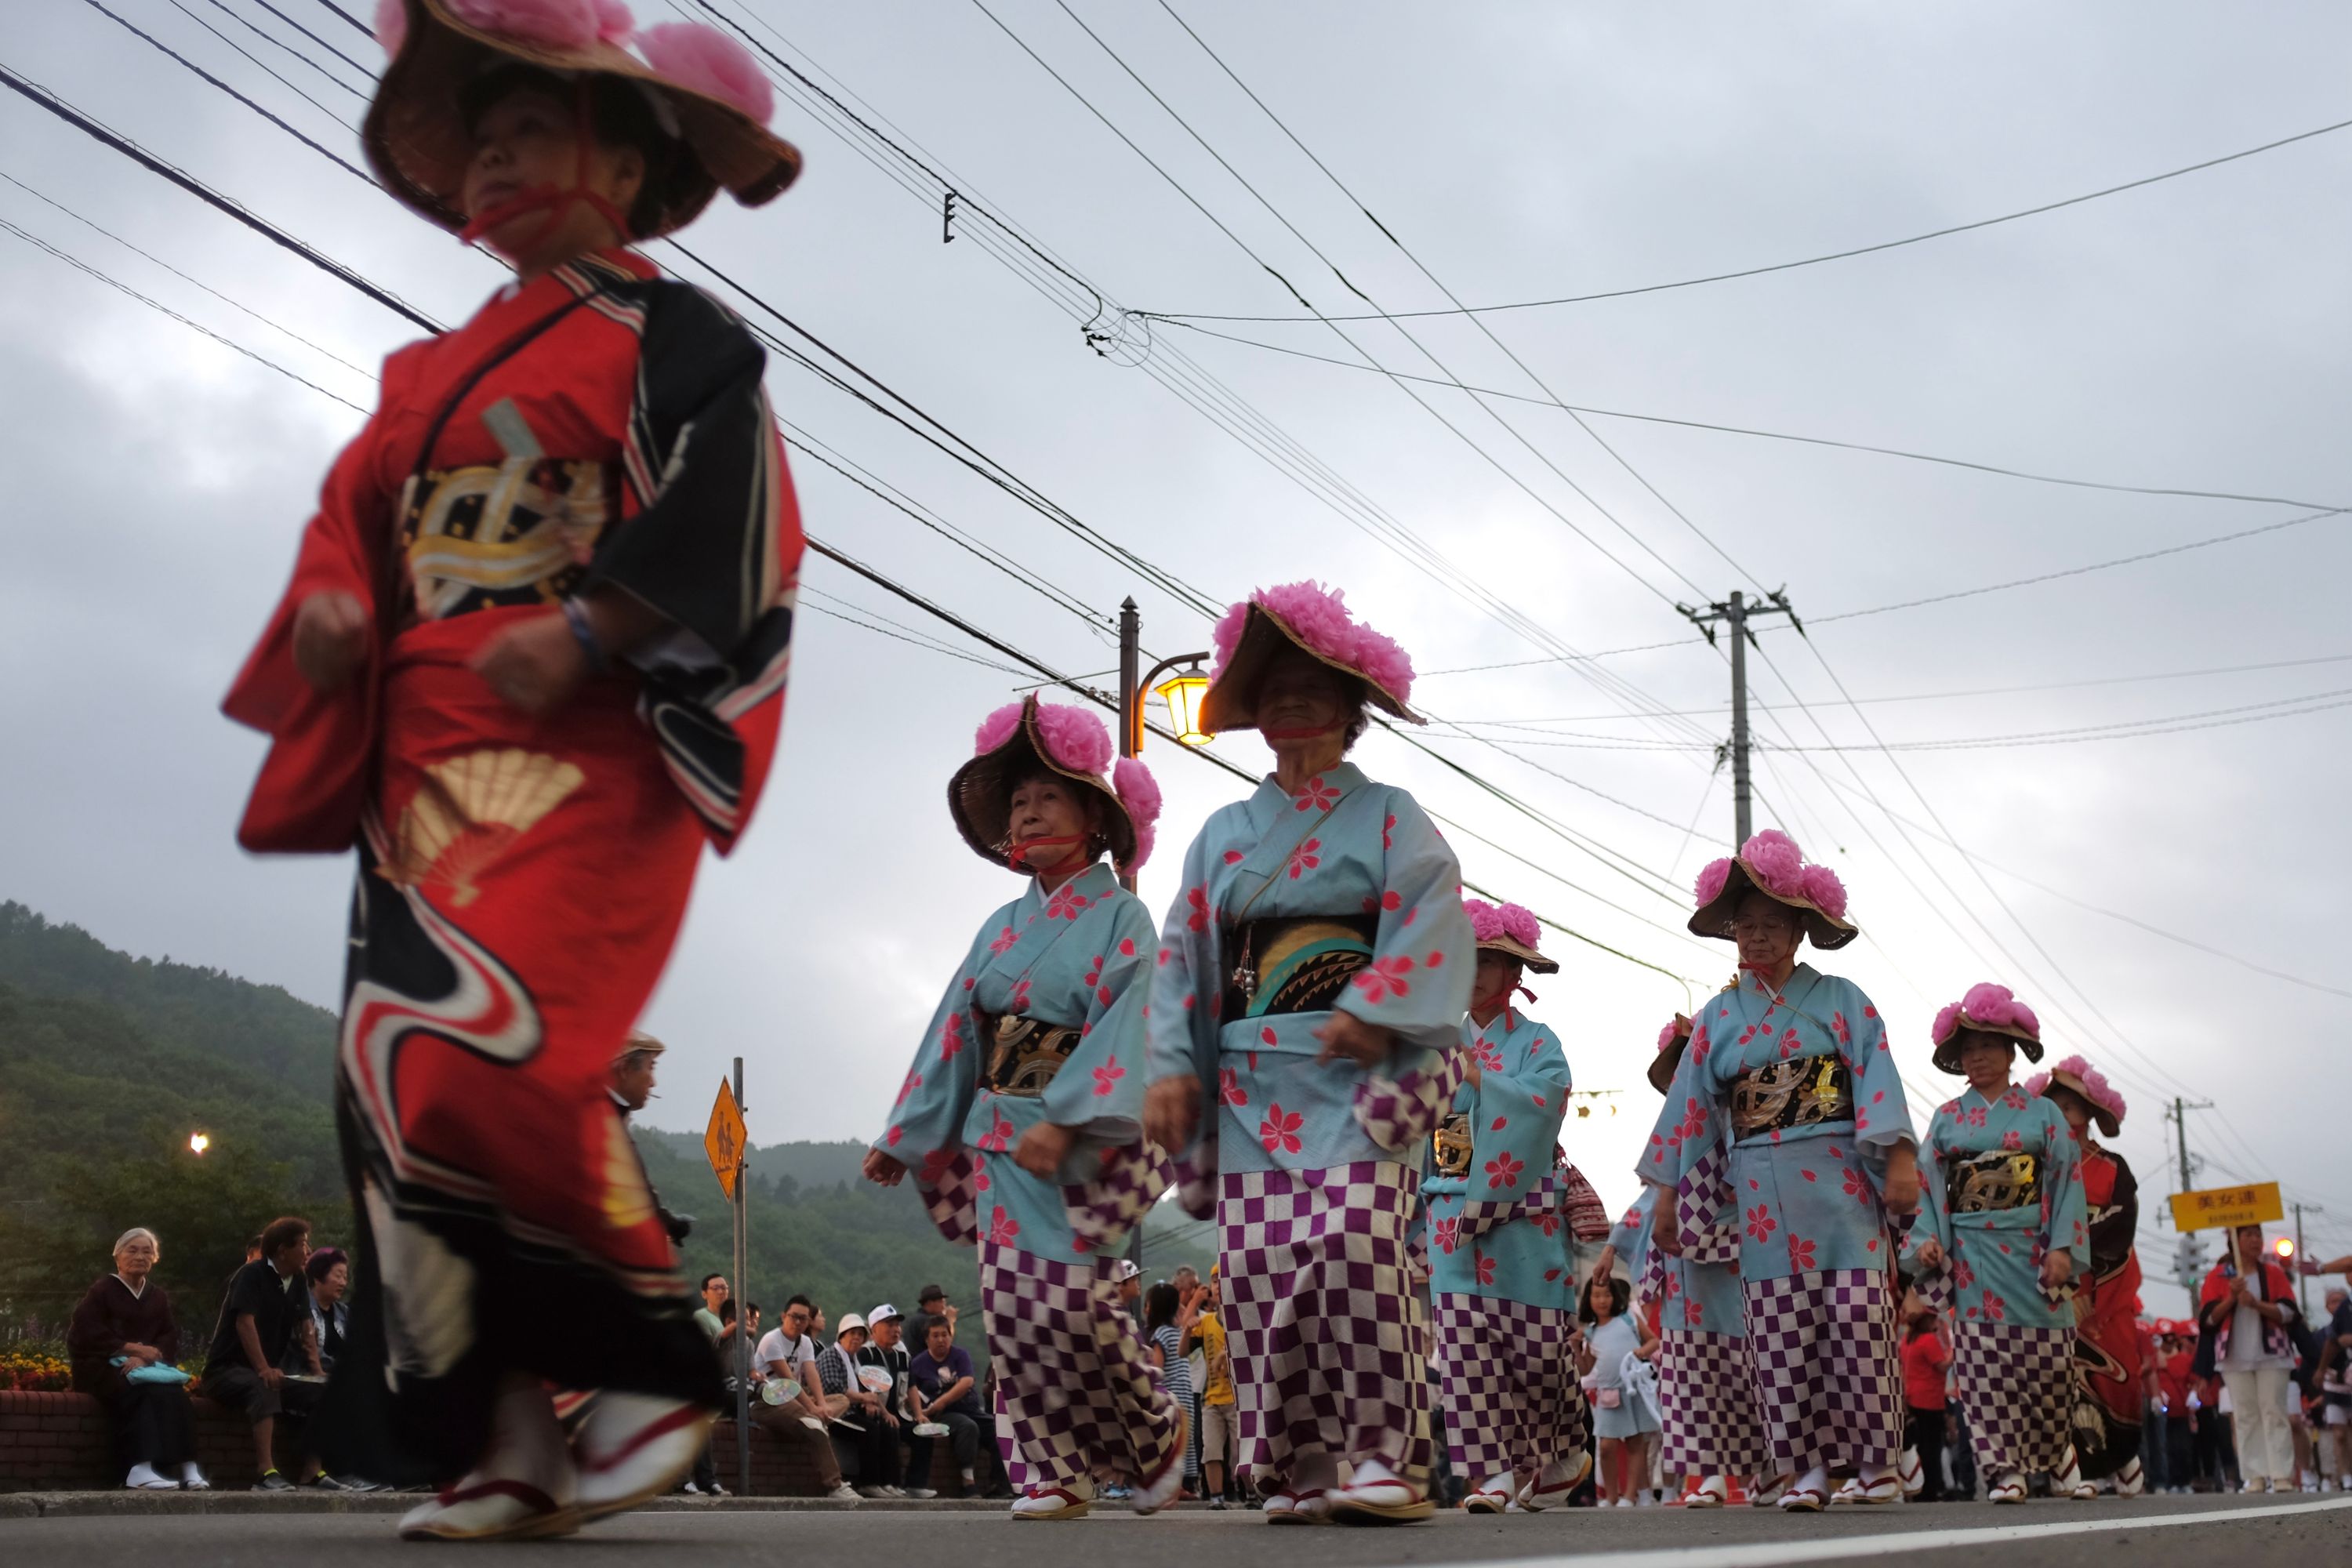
column 198, row 1143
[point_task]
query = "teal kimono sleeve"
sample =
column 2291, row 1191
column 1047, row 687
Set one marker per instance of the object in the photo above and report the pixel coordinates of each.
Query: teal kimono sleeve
column 1516, row 1114
column 1099, row 1088
column 1181, row 1025
column 2065, row 1207
column 925, row 1128
column 1417, row 986
column 1934, row 1218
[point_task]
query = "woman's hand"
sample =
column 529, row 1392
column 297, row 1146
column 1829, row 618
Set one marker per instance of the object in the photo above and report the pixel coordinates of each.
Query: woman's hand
column 884, row 1170
column 1042, row 1148
column 1171, row 1110
column 1476, row 1076
column 2057, row 1269
column 1665, row 1234
column 330, row 635
column 534, row 663
column 1605, row 1265
column 1347, row 1037
column 1901, row 1193
column 1929, row 1256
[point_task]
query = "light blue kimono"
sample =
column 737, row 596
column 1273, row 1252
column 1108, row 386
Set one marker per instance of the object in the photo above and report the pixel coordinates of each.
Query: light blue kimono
column 1342, row 846
column 1993, row 1269
column 1806, row 1198
column 1495, row 1232
column 1076, row 957
column 1694, row 1298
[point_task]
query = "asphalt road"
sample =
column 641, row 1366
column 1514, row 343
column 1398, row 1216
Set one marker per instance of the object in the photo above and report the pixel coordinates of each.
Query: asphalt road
column 2240, row 1533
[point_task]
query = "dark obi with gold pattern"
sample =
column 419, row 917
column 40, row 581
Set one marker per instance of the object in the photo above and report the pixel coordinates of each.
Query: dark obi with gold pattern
column 1450, row 1146
column 1024, row 1054
column 1997, row 1179
column 1807, row 1091
column 523, row 532
column 1298, row 963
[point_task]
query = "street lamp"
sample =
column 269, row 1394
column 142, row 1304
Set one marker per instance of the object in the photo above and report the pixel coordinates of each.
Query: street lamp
column 198, row 1143
column 1183, row 692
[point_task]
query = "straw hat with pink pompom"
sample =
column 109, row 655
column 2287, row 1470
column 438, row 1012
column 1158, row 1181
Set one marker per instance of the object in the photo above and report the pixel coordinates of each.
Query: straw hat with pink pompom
column 1021, row 739
column 1312, row 617
column 1510, row 929
column 706, row 90
column 1771, row 864
column 1672, row 1041
column 2088, row 1084
column 1987, row 1009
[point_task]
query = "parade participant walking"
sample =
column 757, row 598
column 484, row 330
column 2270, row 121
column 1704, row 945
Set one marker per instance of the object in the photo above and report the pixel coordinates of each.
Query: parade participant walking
column 2248, row 1304
column 1707, row 1399
column 2001, row 1240
column 1313, row 975
column 1022, row 1116
column 535, row 641
column 1786, row 1122
column 1514, row 1423
column 2110, row 1402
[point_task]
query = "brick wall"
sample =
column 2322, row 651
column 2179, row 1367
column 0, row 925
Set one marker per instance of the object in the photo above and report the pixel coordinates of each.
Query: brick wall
column 58, row 1442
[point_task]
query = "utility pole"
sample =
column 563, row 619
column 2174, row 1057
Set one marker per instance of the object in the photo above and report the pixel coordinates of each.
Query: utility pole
column 1736, row 612
column 2188, row 1263
column 742, row 1217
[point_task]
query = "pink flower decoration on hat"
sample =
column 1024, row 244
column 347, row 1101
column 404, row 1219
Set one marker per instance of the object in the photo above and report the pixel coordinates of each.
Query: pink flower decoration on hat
column 562, row 24
column 1775, row 861
column 1711, row 879
column 1987, row 1004
column 1488, row 921
column 1675, row 1030
column 392, row 25
column 1319, row 616
column 2095, row 1087
column 706, row 60
column 1823, row 890
column 1074, row 739
column 1139, row 793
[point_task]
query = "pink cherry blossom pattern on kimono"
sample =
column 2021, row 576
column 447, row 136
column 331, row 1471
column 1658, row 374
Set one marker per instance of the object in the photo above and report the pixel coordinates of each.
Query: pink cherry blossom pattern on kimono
column 1003, row 940
column 1229, row 1088
column 1503, row 1170
column 1304, row 857
column 1384, row 979
column 1002, row 1228
column 1446, row 1234
column 1760, row 1223
column 1107, row 1078
column 1317, row 796
column 1279, row 1130
column 1198, row 899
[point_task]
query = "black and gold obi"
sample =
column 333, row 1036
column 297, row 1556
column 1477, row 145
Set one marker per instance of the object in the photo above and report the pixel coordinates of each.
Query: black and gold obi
column 1998, row 1179
column 1294, row 963
column 520, row 532
column 1807, row 1091
column 1024, row 1054
column 1450, row 1146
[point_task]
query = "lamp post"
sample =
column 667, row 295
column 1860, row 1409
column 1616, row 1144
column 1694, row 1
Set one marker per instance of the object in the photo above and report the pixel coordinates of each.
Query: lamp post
column 1182, row 692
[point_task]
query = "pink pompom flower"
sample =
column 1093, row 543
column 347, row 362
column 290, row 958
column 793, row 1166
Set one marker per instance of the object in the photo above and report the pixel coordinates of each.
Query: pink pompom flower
column 706, row 60
column 559, row 24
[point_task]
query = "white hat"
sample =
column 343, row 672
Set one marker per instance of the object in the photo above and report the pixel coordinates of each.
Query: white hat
column 1126, row 1270
column 884, row 1313
column 848, row 1321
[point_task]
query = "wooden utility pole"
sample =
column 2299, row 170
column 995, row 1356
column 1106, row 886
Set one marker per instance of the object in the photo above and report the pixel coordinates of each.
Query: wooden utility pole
column 1736, row 612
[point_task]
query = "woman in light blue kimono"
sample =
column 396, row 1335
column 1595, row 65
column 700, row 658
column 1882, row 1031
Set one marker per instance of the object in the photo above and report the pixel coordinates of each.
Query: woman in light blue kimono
column 1706, row 1400
column 2004, row 1234
column 1022, row 1116
column 1311, row 982
column 1500, row 1278
column 1786, row 1124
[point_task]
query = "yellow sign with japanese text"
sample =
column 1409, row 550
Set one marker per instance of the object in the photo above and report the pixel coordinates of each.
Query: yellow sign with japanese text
column 2256, row 1203
column 724, row 1140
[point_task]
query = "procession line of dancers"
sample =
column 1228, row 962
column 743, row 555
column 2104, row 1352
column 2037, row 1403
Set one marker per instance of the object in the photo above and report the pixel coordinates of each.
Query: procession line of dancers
column 532, row 659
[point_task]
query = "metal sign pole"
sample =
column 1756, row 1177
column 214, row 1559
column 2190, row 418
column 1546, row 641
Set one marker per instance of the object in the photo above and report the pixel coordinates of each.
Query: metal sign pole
column 742, row 1312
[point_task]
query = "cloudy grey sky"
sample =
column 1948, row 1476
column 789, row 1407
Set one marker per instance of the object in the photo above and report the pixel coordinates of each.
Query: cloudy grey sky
column 2192, row 334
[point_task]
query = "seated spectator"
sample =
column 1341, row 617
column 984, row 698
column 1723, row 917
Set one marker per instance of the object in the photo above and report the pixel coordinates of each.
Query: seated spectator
column 124, row 1328
column 944, row 1395
column 886, row 1348
column 866, row 1434
column 934, row 1303
column 786, row 1354
column 329, row 1276
column 265, row 1321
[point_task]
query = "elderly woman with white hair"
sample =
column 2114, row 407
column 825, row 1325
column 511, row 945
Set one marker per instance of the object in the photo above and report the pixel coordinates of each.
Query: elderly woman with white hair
column 123, row 1340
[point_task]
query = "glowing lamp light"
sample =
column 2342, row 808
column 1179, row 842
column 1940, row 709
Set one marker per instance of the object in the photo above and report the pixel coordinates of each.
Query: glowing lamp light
column 2284, row 1247
column 1183, row 692
column 198, row 1143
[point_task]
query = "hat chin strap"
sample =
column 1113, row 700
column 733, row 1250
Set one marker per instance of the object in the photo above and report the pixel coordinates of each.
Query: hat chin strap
column 1017, row 856
column 556, row 201
column 1305, row 732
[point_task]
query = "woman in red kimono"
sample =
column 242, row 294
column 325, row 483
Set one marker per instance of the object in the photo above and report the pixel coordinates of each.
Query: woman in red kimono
column 2110, row 1404
column 532, row 659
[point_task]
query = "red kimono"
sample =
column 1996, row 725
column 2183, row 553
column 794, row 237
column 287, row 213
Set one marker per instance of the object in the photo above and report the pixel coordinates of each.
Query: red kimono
column 2110, row 1402
column 521, row 880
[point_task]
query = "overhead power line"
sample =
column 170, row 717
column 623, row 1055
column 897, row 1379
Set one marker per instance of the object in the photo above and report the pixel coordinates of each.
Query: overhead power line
column 1804, row 261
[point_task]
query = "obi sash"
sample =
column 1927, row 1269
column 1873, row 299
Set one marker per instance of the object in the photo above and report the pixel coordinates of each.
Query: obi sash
column 1807, row 1091
column 1294, row 963
column 523, row 532
column 1024, row 1054
column 1451, row 1144
column 1996, row 1180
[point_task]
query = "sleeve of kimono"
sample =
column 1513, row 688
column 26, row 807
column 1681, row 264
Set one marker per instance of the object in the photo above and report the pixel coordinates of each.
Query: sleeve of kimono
column 1099, row 1090
column 1881, row 1116
column 1182, row 1028
column 168, row 1341
column 314, row 777
column 1680, row 1139
column 1934, row 1221
column 2065, row 1207
column 715, row 546
column 1518, row 1114
column 1418, row 983
column 1630, row 1237
column 91, row 1331
column 926, row 1124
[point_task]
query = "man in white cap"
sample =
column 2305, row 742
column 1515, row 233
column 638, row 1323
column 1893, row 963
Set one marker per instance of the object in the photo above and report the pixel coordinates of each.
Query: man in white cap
column 866, row 1434
column 1130, row 1276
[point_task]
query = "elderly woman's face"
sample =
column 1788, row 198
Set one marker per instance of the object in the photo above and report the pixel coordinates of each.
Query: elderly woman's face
column 1052, row 808
column 530, row 141
column 2073, row 1108
column 136, row 1257
column 1301, row 694
column 332, row 1285
column 1986, row 1059
column 1766, row 931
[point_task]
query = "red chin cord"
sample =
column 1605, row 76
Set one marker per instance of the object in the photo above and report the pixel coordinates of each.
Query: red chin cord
column 1017, row 856
column 1300, row 734
column 1503, row 997
column 556, row 203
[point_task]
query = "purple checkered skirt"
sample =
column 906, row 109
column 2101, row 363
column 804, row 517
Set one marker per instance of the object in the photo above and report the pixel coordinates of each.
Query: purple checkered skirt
column 1078, row 1396
column 1512, row 1401
column 1828, row 1377
column 1330, row 1347
column 1707, row 1406
column 2017, row 1387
